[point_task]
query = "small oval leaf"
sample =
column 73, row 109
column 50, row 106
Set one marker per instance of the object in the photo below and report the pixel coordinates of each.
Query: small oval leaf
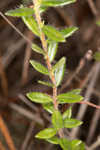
column 55, row 3
column 57, row 120
column 31, row 24
column 52, row 49
column 69, row 98
column 49, row 107
column 45, row 83
column 37, row 49
column 65, row 144
column 39, row 67
column 46, row 133
column 53, row 140
column 19, row 12
column 58, row 70
column 75, row 143
column 75, row 91
column 53, row 34
column 39, row 97
column 72, row 123
column 67, row 113
column 68, row 31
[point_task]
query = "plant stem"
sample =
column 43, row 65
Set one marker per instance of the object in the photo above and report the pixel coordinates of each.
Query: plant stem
column 45, row 48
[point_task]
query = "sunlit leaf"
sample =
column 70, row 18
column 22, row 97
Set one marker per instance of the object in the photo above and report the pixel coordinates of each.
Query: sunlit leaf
column 65, row 144
column 57, row 120
column 71, row 123
column 75, row 91
column 58, row 70
column 69, row 98
column 68, row 31
column 53, row 140
column 49, row 107
column 31, row 24
column 67, row 113
column 52, row 49
column 53, row 34
column 39, row 67
column 19, row 12
column 37, row 49
column 45, row 83
column 39, row 97
column 46, row 133
column 75, row 143
column 54, row 3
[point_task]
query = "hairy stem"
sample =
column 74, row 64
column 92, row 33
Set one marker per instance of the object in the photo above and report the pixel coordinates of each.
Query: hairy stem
column 45, row 48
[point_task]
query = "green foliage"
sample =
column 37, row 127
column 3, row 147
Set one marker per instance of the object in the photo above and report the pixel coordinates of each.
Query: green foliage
column 67, row 113
column 71, row 123
column 49, row 107
column 37, row 49
column 69, row 98
column 46, row 133
column 98, row 23
column 97, row 56
column 53, row 140
column 31, row 24
column 53, row 34
column 58, row 70
column 55, row 72
column 68, row 31
column 39, row 67
column 45, row 83
column 52, row 50
column 55, row 3
column 39, row 97
column 57, row 120
column 20, row 12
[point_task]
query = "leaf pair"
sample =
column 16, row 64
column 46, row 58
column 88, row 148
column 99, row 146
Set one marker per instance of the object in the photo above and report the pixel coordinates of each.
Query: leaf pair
column 58, row 121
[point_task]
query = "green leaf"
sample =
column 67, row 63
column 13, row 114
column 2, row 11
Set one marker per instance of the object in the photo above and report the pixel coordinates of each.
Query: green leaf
column 57, row 120
column 39, row 67
column 52, row 49
column 53, row 140
column 72, row 123
column 65, row 144
column 49, row 107
column 39, row 97
column 55, row 3
column 75, row 91
column 69, row 98
column 19, row 12
column 53, row 34
column 98, row 23
column 37, row 49
column 58, row 70
column 46, row 133
column 67, row 113
column 45, row 83
column 81, row 146
column 68, row 31
column 75, row 143
column 97, row 56
column 31, row 24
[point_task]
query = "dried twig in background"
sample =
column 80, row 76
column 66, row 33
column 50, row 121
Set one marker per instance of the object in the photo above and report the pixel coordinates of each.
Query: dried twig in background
column 6, row 134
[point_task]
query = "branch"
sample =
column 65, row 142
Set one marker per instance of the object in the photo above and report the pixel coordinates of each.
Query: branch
column 90, row 104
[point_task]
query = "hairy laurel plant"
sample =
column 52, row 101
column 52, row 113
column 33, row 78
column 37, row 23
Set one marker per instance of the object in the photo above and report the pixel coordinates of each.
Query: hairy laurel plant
column 50, row 38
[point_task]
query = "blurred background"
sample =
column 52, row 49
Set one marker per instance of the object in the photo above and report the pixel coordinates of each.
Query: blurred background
column 21, row 119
